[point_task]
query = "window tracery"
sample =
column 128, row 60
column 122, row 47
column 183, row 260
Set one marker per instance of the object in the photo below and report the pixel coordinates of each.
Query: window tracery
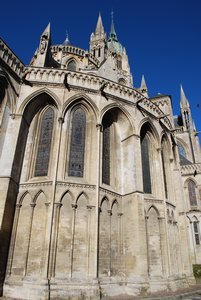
column 77, row 145
column 44, row 145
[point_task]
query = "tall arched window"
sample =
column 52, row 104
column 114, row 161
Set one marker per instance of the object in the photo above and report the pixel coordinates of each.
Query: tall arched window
column 77, row 145
column 145, row 161
column 71, row 65
column 164, row 159
column 196, row 230
column 182, row 151
column 192, row 193
column 44, row 145
column 106, row 155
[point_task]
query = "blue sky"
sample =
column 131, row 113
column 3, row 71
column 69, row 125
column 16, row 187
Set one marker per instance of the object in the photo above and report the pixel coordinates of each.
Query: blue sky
column 162, row 38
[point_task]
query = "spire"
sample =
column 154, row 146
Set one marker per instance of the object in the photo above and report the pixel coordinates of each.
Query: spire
column 143, row 87
column 66, row 42
column 112, row 35
column 99, row 27
column 183, row 100
column 47, row 31
column 143, row 84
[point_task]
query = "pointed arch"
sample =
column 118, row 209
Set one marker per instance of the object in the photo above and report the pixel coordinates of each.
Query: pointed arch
column 35, row 101
column 150, row 127
column 104, row 200
column 83, row 100
column 40, row 192
column 153, row 207
column 115, row 202
column 68, row 192
column 123, row 110
column 82, row 195
column 71, row 65
column 21, row 198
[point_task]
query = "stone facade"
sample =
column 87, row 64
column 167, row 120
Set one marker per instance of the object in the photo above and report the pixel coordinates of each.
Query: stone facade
column 100, row 190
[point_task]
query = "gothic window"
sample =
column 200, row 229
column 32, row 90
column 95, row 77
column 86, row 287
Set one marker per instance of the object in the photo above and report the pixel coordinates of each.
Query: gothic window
column 196, row 232
column 145, row 163
column 164, row 173
column 99, row 52
column 77, row 145
column 181, row 150
column 44, row 145
column 71, row 66
column 106, row 156
column 192, row 193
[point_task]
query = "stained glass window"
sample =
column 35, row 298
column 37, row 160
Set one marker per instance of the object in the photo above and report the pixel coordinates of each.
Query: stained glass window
column 192, row 193
column 145, row 164
column 106, row 156
column 44, row 145
column 196, row 232
column 77, row 146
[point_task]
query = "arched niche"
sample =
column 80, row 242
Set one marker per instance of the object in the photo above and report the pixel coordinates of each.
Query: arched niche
column 117, row 150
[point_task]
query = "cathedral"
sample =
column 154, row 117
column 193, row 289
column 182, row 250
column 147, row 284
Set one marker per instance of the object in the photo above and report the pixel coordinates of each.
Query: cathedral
column 100, row 184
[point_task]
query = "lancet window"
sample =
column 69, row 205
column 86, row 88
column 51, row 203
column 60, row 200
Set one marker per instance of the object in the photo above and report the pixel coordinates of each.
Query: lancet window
column 196, row 232
column 44, row 145
column 145, row 162
column 77, row 145
column 106, row 155
column 192, row 193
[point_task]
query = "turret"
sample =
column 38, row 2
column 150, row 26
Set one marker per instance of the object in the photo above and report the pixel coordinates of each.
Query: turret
column 41, row 55
column 98, row 40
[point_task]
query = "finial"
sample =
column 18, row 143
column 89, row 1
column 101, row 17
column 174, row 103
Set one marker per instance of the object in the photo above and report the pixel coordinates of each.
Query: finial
column 112, row 35
column 66, row 42
column 112, row 15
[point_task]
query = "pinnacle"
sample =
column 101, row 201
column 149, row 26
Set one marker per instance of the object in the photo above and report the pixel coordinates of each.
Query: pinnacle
column 47, row 30
column 99, row 27
column 183, row 100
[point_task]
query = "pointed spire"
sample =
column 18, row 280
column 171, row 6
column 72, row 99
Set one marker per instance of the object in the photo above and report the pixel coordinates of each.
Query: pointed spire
column 46, row 32
column 66, row 42
column 143, row 84
column 112, row 35
column 99, row 27
column 183, row 100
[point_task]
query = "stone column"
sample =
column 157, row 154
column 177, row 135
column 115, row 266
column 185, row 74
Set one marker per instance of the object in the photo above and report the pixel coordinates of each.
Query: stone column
column 98, row 182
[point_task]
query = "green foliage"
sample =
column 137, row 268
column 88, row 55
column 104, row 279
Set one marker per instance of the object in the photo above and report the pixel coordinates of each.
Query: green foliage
column 197, row 271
